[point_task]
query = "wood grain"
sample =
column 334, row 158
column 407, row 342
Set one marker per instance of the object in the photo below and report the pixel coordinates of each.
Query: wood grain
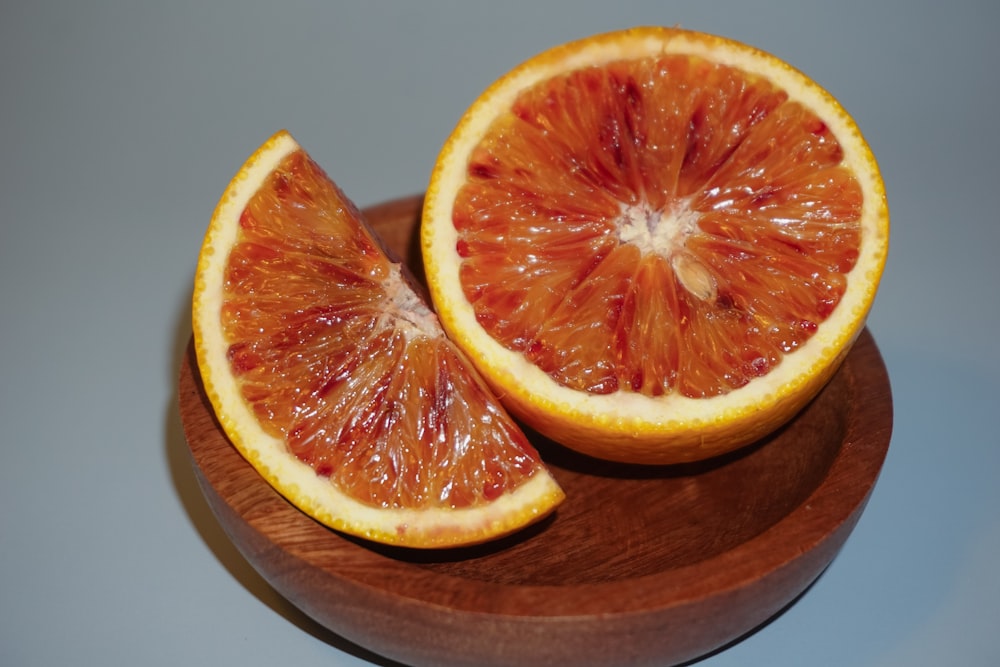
column 640, row 565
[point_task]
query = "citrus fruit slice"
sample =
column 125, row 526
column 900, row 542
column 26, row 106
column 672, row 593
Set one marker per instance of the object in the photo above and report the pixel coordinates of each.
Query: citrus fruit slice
column 335, row 381
column 656, row 245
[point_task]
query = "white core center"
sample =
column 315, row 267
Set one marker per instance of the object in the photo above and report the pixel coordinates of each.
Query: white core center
column 652, row 231
column 405, row 310
column 665, row 233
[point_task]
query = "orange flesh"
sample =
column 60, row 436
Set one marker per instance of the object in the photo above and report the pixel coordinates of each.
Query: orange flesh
column 658, row 225
column 362, row 387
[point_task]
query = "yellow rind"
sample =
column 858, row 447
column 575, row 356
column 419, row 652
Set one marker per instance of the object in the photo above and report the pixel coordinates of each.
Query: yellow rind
column 296, row 481
column 627, row 426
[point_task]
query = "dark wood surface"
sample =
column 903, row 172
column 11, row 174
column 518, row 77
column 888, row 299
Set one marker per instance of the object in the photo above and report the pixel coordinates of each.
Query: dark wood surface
column 639, row 566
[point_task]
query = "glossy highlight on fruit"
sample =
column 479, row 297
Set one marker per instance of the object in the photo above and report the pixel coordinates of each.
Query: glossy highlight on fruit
column 657, row 245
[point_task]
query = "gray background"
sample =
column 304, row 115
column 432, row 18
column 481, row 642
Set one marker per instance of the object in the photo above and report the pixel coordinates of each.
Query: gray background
column 122, row 122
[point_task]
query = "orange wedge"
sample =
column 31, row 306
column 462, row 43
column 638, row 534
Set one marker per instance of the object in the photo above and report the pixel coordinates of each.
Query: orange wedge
column 332, row 377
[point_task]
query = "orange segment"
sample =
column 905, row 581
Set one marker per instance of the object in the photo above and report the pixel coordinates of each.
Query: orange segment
column 662, row 219
column 332, row 376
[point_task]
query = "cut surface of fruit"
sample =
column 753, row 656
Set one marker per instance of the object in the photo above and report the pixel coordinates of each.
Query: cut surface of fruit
column 656, row 245
column 330, row 374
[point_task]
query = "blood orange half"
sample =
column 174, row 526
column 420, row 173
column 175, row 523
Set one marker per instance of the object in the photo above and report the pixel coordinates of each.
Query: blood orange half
column 656, row 245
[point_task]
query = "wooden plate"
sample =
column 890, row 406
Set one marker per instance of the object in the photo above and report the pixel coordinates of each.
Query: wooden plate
column 639, row 566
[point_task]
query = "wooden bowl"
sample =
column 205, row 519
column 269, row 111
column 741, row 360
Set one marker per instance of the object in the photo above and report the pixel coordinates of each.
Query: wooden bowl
column 639, row 566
